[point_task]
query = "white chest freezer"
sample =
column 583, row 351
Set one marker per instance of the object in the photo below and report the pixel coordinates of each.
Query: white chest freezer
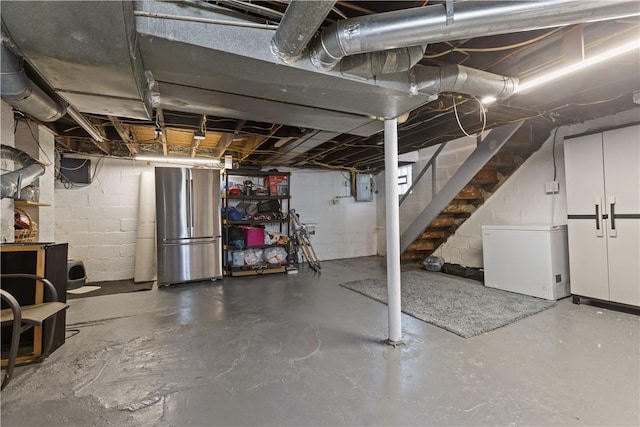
column 527, row 259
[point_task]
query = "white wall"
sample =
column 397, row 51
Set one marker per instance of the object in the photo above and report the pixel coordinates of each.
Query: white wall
column 39, row 143
column 521, row 200
column 6, row 138
column 344, row 230
column 26, row 136
column 100, row 221
column 449, row 160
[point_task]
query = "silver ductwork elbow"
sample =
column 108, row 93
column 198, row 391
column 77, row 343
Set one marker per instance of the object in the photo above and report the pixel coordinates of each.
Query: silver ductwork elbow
column 461, row 79
column 373, row 64
column 12, row 182
column 300, row 22
column 22, row 94
column 429, row 24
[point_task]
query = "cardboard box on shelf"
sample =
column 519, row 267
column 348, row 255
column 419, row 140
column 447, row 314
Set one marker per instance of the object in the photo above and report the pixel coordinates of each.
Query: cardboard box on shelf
column 277, row 184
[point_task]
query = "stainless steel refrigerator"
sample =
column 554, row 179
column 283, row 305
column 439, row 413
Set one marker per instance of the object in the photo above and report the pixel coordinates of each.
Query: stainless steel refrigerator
column 188, row 224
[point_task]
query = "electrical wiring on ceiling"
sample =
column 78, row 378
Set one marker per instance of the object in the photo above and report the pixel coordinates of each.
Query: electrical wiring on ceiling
column 334, row 167
column 491, row 49
column 483, row 116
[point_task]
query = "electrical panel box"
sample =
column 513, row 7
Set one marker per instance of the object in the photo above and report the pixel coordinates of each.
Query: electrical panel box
column 364, row 191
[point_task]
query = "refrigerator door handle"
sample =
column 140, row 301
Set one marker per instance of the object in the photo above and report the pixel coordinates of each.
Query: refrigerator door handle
column 192, row 230
column 612, row 217
column 598, row 204
column 189, row 215
column 192, row 243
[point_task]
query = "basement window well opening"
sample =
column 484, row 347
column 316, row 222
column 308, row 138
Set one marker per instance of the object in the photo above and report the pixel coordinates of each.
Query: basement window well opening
column 404, row 179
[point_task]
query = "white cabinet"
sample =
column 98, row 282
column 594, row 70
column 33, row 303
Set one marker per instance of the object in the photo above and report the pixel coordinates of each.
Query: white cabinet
column 603, row 205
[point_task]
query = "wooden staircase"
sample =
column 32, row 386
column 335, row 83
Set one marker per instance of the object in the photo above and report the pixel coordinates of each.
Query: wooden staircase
column 522, row 144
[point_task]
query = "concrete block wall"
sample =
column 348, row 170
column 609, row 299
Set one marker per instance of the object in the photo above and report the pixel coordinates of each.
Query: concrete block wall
column 99, row 220
column 46, row 214
column 38, row 142
column 7, row 138
column 344, row 230
column 449, row 160
column 521, row 200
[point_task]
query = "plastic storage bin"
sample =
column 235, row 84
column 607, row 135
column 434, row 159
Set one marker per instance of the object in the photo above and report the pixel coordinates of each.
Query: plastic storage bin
column 255, row 236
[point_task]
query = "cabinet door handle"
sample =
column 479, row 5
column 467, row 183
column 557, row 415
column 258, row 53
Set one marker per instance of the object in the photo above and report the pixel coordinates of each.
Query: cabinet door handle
column 612, row 217
column 612, row 213
column 599, row 232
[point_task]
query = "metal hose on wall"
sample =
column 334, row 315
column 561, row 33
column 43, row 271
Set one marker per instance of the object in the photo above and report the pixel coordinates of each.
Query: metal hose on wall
column 11, row 182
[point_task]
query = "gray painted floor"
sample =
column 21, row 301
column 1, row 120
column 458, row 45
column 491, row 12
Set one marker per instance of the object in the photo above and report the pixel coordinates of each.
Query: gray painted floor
column 301, row 350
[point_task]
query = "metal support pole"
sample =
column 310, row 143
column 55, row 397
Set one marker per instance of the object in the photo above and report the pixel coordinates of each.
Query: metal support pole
column 393, row 229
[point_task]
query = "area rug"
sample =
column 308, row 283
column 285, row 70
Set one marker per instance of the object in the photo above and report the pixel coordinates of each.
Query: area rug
column 457, row 305
column 109, row 288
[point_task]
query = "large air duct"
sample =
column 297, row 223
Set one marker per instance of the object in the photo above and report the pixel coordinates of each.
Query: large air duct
column 22, row 94
column 11, row 182
column 424, row 25
column 461, row 79
column 300, row 22
column 373, row 64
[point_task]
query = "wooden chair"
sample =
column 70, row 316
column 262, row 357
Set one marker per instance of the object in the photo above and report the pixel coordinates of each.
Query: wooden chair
column 26, row 317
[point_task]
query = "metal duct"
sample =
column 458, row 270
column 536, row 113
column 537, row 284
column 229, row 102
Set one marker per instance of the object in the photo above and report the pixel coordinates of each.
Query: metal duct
column 300, row 22
column 11, row 182
column 422, row 25
column 21, row 93
column 461, row 79
column 373, row 64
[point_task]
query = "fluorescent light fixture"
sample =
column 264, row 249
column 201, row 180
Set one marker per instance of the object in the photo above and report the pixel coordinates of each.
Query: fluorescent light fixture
column 561, row 72
column 179, row 160
column 199, row 135
column 85, row 124
column 488, row 100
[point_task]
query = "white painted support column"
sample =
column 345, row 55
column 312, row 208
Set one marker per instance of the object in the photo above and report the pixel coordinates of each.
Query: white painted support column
column 393, row 229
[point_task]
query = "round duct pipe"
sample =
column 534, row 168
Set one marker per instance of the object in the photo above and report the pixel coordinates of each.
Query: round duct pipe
column 422, row 25
column 22, row 94
column 12, row 182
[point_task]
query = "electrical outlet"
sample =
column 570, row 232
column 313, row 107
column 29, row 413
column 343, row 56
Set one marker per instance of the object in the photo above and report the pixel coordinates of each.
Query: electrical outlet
column 551, row 187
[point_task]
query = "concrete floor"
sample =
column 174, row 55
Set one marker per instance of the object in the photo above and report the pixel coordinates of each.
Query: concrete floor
column 301, row 350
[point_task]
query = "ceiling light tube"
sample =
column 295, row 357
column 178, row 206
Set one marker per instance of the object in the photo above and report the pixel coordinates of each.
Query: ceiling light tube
column 561, row 72
column 85, row 124
column 179, row 160
column 488, row 100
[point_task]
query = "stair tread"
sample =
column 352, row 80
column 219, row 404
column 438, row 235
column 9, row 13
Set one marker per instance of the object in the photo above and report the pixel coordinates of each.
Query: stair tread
column 519, row 147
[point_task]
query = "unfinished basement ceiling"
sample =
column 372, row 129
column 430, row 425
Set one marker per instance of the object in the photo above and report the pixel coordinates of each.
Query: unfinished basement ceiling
column 200, row 79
